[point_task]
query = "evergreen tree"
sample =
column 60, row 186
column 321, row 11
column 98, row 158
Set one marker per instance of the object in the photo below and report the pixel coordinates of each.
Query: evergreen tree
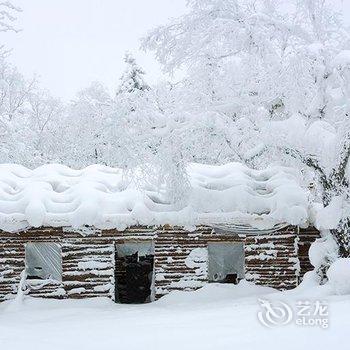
column 132, row 80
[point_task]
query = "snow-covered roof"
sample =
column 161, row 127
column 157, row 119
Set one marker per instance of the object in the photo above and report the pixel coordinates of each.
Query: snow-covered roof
column 100, row 196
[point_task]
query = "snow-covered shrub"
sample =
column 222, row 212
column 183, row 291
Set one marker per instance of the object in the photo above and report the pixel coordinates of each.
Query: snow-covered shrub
column 339, row 276
column 321, row 250
column 310, row 280
column 321, row 254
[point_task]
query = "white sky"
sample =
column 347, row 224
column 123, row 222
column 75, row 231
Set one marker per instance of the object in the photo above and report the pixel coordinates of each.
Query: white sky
column 70, row 43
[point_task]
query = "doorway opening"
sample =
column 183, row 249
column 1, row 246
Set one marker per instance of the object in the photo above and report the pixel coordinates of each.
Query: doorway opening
column 134, row 272
column 226, row 262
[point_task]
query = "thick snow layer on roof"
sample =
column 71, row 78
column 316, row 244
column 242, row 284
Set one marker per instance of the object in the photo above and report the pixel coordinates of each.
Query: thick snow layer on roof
column 55, row 195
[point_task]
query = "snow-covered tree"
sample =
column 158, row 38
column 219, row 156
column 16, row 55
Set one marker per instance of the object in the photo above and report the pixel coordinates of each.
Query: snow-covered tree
column 14, row 95
column 132, row 79
column 263, row 67
column 265, row 81
column 86, row 123
column 322, row 144
column 7, row 16
column 44, row 117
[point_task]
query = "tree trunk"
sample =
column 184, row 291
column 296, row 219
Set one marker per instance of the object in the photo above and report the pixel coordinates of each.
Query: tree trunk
column 342, row 237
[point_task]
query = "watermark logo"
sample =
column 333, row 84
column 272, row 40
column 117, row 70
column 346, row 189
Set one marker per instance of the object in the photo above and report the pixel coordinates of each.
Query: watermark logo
column 312, row 313
column 274, row 314
column 305, row 313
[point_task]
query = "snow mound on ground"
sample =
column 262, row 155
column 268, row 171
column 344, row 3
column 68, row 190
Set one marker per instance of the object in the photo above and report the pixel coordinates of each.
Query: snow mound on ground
column 214, row 293
column 104, row 197
column 339, row 276
column 310, row 280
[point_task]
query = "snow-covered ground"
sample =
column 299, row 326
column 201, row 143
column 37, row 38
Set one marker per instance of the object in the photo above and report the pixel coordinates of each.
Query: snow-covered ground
column 215, row 317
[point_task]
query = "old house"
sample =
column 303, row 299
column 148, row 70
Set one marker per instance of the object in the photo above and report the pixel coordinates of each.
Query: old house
column 85, row 233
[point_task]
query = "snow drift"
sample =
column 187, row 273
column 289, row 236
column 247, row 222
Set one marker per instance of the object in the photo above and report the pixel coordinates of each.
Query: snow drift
column 339, row 276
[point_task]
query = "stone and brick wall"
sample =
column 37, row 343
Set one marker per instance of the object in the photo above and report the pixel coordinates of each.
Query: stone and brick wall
column 180, row 259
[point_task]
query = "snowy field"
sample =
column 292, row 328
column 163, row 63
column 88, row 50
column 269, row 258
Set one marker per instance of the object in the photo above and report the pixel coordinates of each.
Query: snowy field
column 215, row 317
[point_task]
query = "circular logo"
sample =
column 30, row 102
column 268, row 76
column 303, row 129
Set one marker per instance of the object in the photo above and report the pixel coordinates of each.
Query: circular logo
column 274, row 314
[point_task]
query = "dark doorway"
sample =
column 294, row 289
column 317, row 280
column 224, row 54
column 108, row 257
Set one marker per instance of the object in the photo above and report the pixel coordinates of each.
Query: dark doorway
column 134, row 272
